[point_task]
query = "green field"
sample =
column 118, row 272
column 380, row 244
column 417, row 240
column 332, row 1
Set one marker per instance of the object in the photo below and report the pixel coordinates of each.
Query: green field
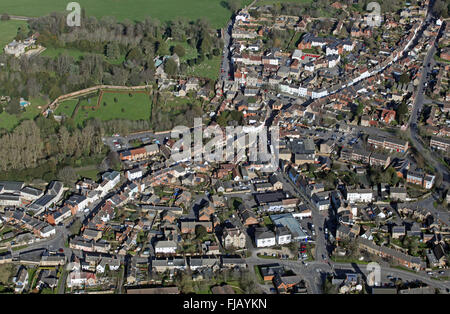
column 208, row 68
column 9, row 122
column 55, row 52
column 8, row 30
column 66, row 108
column 164, row 10
column 137, row 107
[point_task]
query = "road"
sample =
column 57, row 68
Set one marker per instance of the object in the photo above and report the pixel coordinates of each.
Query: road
column 315, row 272
column 318, row 218
column 413, row 128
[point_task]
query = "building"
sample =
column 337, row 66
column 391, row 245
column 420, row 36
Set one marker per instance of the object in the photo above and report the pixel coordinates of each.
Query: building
column 165, row 247
column 440, row 143
column 283, row 235
column 359, row 195
column 264, row 238
column 233, row 238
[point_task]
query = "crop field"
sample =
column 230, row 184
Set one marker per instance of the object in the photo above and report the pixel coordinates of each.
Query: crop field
column 8, row 30
column 164, row 10
column 112, row 105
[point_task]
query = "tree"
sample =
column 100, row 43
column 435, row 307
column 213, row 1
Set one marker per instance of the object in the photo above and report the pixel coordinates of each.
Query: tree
column 200, row 232
column 170, row 67
column 112, row 50
column 67, row 175
column 402, row 110
column 234, row 5
column 179, row 50
column 13, row 107
column 161, row 48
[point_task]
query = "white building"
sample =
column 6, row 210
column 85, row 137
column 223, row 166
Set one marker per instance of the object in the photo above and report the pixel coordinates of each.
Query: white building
column 165, row 247
column 134, row 174
column 265, row 239
column 283, row 236
column 360, row 196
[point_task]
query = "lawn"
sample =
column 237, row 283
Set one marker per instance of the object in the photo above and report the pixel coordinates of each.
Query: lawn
column 66, row 108
column 55, row 52
column 6, row 272
column 88, row 172
column 164, row 10
column 112, row 106
column 78, row 54
column 209, row 68
column 8, row 30
column 9, row 122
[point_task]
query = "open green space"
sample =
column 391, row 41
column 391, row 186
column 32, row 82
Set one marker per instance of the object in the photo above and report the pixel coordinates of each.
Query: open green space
column 8, row 30
column 209, row 68
column 55, row 52
column 113, row 105
column 10, row 121
column 88, row 172
column 165, row 10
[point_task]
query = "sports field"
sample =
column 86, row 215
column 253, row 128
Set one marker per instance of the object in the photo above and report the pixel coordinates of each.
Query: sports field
column 164, row 10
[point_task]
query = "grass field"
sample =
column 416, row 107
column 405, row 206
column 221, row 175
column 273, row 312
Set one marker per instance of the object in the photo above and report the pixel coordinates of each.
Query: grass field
column 209, row 68
column 8, row 30
column 88, row 172
column 164, row 10
column 137, row 107
column 66, row 108
column 55, row 52
column 9, row 122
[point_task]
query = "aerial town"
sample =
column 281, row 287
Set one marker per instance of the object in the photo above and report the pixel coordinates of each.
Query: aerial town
column 358, row 202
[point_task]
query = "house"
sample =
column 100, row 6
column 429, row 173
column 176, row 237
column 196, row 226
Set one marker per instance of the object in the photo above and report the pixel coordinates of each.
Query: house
column 264, row 238
column 439, row 254
column 359, row 195
column 440, row 143
column 268, row 272
column 286, row 283
column 165, row 247
column 233, row 238
column 398, row 193
column 110, row 262
column 81, row 278
column 398, row 232
column 233, row 262
column 403, row 259
column 248, row 216
column 21, row 280
column 134, row 174
column 415, row 177
column 283, row 235
column 174, row 263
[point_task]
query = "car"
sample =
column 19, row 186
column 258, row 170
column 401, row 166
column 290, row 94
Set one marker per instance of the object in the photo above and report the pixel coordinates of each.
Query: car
column 61, row 250
column 430, row 273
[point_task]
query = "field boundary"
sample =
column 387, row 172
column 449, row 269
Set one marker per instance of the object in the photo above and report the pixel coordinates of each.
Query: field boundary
column 54, row 105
